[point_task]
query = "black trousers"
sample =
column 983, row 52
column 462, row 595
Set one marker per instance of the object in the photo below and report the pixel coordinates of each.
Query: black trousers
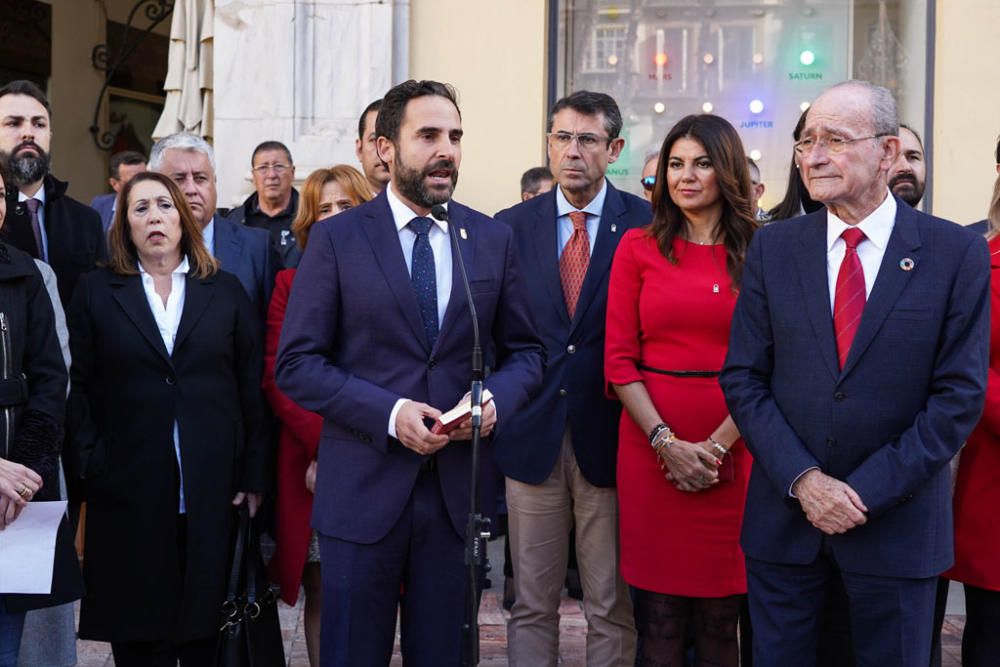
column 167, row 653
column 981, row 640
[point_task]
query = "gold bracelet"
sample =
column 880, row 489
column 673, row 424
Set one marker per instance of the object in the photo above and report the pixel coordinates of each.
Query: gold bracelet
column 664, row 440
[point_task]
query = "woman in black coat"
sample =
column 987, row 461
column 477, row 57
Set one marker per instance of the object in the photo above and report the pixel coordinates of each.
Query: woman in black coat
column 166, row 418
column 32, row 402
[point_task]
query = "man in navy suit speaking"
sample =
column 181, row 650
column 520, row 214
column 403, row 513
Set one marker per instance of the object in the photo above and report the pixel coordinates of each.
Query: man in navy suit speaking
column 856, row 368
column 377, row 339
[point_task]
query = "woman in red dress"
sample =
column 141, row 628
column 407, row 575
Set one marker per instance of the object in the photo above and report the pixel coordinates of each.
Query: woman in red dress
column 326, row 193
column 682, row 469
column 977, row 496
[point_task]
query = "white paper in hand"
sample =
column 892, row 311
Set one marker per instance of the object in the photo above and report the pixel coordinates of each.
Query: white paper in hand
column 28, row 548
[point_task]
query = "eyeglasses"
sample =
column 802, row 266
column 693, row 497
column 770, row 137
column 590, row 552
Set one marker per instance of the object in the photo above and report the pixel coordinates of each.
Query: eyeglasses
column 277, row 168
column 834, row 145
column 585, row 141
column 648, row 183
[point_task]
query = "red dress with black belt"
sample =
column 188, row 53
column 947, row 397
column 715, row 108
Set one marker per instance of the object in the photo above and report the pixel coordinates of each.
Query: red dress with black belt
column 977, row 489
column 674, row 317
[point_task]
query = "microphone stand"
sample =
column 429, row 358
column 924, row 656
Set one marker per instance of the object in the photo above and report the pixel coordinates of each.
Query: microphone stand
column 477, row 528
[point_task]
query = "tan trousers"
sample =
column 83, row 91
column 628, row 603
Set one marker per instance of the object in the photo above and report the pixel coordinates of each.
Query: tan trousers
column 540, row 518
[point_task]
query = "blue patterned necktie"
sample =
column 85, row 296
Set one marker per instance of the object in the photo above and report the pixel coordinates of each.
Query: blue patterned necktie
column 423, row 277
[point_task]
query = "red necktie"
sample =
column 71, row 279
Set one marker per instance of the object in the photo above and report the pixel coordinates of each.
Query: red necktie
column 574, row 261
column 849, row 300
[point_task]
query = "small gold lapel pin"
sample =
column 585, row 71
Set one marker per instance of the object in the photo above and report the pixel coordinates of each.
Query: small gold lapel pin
column 614, row 228
column 906, row 264
column 464, row 234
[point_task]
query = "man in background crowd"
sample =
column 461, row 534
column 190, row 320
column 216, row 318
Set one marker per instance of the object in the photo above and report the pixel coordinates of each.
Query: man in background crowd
column 908, row 175
column 374, row 169
column 273, row 204
column 536, row 181
column 123, row 166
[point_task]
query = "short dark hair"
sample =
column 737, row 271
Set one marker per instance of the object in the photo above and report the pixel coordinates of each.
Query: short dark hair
column 270, row 146
column 904, row 126
column 532, row 179
column 29, row 88
column 590, row 103
column 374, row 106
column 128, row 158
column 390, row 115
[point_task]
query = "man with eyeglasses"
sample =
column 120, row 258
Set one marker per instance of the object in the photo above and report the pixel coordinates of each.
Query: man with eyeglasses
column 856, row 369
column 273, row 204
column 559, row 455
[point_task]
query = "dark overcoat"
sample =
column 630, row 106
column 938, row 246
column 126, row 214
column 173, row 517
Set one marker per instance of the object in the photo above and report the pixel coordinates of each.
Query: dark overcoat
column 75, row 236
column 32, row 404
column 126, row 394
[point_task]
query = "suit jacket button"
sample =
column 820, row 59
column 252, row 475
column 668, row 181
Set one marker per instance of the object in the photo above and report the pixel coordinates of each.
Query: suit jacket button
column 563, row 392
column 432, row 363
column 171, row 380
column 831, row 442
column 839, row 396
column 571, row 349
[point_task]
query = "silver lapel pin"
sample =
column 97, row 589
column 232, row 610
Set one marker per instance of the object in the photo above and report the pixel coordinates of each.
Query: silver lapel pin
column 614, row 228
column 906, row 264
column 463, row 234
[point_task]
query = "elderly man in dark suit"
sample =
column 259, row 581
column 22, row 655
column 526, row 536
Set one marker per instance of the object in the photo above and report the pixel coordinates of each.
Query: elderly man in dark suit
column 559, row 456
column 42, row 219
column 243, row 251
column 856, row 369
column 377, row 339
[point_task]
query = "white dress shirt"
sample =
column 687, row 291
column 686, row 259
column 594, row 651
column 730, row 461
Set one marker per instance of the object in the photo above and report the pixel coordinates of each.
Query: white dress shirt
column 564, row 226
column 168, row 318
column 440, row 246
column 877, row 228
column 208, row 236
column 40, row 196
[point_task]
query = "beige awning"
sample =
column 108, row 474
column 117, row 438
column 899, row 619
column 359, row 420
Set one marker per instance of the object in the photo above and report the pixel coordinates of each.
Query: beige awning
column 188, row 87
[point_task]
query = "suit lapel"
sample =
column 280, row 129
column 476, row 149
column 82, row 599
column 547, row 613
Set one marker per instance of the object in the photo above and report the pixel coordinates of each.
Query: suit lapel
column 812, row 265
column 603, row 252
column 197, row 296
column 129, row 294
column 547, row 258
column 384, row 240
column 228, row 246
column 457, row 302
column 904, row 242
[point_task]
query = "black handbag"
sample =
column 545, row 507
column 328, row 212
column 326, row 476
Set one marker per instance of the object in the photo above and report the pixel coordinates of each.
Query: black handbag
column 250, row 634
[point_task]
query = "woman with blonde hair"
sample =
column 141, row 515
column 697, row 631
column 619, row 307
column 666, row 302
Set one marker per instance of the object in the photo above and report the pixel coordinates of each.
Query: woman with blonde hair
column 325, row 193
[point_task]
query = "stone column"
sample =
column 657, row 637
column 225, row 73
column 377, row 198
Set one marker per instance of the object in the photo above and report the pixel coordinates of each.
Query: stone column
column 300, row 72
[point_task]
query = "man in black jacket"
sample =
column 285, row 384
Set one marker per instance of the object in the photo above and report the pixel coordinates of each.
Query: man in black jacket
column 41, row 219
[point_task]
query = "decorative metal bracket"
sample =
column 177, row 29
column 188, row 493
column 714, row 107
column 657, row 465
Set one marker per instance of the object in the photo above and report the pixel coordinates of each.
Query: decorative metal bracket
column 156, row 11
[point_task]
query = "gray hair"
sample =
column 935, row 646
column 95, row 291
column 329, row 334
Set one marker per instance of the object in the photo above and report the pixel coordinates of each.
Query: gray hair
column 182, row 141
column 883, row 105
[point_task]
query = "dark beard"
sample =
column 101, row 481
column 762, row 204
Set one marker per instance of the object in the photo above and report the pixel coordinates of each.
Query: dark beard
column 411, row 183
column 26, row 169
column 911, row 194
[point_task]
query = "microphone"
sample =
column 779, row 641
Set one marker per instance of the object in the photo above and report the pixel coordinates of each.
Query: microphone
column 477, row 528
column 440, row 213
